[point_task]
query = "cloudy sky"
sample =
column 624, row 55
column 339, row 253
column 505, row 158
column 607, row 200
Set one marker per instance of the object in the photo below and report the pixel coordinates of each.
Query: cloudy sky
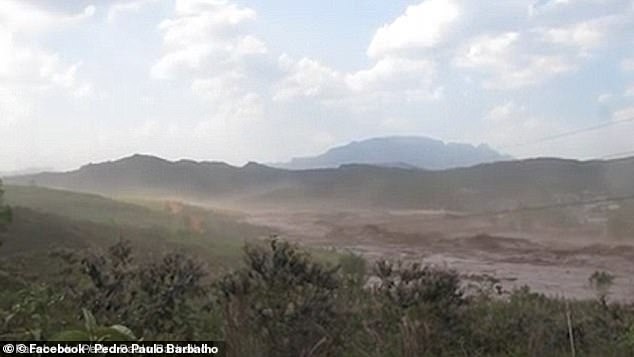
column 91, row 80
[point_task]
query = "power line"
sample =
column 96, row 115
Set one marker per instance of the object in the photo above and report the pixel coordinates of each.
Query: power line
column 569, row 133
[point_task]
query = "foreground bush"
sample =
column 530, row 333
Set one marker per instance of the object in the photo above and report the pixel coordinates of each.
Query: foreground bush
column 160, row 298
column 282, row 302
column 289, row 301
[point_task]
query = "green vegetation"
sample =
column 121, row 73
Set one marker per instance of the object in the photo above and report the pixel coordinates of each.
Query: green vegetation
column 283, row 302
column 486, row 187
column 5, row 211
column 46, row 221
column 353, row 265
column 85, row 207
column 601, row 282
column 95, row 333
column 169, row 215
column 170, row 278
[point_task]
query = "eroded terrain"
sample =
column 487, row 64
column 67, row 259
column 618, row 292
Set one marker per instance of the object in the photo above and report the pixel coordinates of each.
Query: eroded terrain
column 555, row 262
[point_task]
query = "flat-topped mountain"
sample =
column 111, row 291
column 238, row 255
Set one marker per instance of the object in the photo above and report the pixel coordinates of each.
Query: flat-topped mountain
column 400, row 151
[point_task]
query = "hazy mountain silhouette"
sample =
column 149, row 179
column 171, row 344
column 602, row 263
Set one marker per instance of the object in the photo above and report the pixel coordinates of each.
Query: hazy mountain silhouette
column 487, row 186
column 400, row 151
column 26, row 171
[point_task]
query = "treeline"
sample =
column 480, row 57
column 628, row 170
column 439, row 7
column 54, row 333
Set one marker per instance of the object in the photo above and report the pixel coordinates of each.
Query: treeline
column 283, row 302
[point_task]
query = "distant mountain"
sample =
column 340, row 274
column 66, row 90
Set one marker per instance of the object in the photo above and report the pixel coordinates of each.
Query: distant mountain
column 27, row 171
column 499, row 185
column 400, row 151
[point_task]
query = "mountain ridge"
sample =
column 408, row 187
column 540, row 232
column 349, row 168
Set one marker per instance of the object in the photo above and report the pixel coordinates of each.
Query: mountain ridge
column 413, row 151
column 497, row 185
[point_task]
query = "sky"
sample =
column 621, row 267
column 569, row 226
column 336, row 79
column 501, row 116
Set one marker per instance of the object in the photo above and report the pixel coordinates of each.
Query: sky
column 252, row 80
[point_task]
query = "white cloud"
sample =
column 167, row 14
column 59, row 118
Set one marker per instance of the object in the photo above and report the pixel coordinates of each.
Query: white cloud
column 508, row 64
column 27, row 70
column 204, row 40
column 20, row 16
column 533, row 70
column 509, row 127
column 226, row 94
column 38, row 69
column 307, row 78
column 515, row 129
column 585, row 35
column 120, row 8
column 421, row 26
column 392, row 73
column 504, row 112
column 205, row 37
column 12, row 106
column 489, row 51
column 217, row 79
column 391, row 79
column 629, row 91
column 207, row 46
column 624, row 114
column 199, row 21
column 605, row 98
column 541, row 6
column 396, row 78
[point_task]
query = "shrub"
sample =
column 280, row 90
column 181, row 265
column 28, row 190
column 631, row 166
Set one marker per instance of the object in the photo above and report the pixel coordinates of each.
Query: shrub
column 527, row 324
column 354, row 265
column 95, row 333
column 161, row 299
column 36, row 312
column 409, row 285
column 601, row 282
column 171, row 291
column 289, row 301
column 284, row 303
column 416, row 310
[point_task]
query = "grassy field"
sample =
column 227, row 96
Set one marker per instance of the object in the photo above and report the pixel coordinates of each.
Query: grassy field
column 47, row 220
column 99, row 209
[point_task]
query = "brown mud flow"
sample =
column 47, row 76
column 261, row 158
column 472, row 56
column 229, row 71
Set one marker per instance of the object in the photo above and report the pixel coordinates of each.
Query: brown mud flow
column 554, row 262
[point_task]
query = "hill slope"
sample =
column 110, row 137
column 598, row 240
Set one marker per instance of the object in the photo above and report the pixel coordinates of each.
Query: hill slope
column 400, row 151
column 46, row 220
column 488, row 186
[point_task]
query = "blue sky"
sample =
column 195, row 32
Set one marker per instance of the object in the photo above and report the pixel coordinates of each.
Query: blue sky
column 86, row 81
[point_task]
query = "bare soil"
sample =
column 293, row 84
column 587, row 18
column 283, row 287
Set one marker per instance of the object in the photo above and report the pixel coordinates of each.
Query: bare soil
column 554, row 262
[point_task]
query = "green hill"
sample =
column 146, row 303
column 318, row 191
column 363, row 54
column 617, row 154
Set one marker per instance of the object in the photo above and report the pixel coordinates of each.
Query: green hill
column 46, row 220
column 497, row 185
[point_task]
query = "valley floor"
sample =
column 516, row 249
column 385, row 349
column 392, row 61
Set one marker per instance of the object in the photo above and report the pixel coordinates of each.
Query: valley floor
column 557, row 263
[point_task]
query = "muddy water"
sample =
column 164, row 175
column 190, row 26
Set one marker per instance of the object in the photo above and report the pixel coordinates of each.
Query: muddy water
column 552, row 262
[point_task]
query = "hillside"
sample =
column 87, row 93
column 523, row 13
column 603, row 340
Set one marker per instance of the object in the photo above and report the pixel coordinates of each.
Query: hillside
column 399, row 151
column 46, row 220
column 487, row 186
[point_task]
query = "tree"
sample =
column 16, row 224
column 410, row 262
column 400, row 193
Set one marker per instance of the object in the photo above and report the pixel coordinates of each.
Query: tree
column 601, row 282
column 5, row 212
